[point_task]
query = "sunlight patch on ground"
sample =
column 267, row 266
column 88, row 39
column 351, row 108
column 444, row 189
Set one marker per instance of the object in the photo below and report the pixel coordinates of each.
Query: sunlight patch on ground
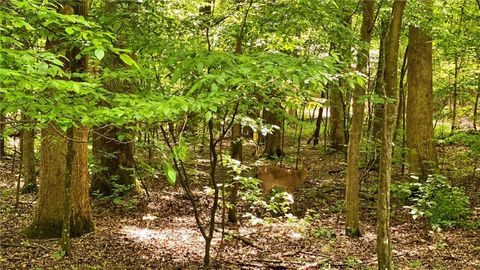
column 168, row 236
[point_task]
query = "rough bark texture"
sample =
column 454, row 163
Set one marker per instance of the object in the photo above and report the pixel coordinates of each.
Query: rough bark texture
column 28, row 159
column 379, row 84
column 273, row 141
column 422, row 155
column 236, row 153
column 48, row 218
column 358, row 110
column 384, row 245
column 2, row 140
column 114, row 159
column 337, row 120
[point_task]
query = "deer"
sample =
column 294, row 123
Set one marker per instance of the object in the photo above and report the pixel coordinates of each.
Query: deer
column 289, row 179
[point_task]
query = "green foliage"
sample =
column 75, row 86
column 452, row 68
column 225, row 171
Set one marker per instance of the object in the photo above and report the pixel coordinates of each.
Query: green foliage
column 58, row 255
column 442, row 204
column 326, row 233
column 118, row 197
column 471, row 140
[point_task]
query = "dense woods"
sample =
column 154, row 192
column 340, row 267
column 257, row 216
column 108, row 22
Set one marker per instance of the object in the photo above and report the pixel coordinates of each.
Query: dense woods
column 239, row 134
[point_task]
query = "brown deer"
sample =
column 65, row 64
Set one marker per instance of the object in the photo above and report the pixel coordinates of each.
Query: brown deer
column 289, row 179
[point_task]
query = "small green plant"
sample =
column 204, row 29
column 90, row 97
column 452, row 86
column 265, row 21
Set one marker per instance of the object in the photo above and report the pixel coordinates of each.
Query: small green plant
column 415, row 264
column 117, row 197
column 58, row 255
column 442, row 204
column 351, row 262
column 322, row 232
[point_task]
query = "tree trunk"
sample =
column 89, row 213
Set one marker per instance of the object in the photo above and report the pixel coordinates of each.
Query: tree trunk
column 273, row 141
column 2, row 139
column 475, row 109
column 337, row 128
column 379, row 83
column 455, row 96
column 114, row 159
column 318, row 124
column 384, row 245
column 422, row 154
column 358, row 110
column 48, row 218
column 401, row 96
column 28, row 158
column 236, row 148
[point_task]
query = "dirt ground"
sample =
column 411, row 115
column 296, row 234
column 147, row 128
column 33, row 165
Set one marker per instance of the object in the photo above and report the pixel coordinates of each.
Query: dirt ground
column 123, row 240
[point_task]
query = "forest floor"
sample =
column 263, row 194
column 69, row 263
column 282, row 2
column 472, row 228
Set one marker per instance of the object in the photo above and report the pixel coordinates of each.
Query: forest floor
column 123, row 240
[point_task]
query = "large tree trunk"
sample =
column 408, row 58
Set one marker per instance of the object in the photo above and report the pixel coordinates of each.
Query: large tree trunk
column 28, row 158
column 273, row 141
column 48, row 218
column 422, row 155
column 358, row 110
column 384, row 245
column 114, row 159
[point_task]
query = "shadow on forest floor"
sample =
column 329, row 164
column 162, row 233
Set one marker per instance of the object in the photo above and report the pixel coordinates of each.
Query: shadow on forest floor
column 123, row 240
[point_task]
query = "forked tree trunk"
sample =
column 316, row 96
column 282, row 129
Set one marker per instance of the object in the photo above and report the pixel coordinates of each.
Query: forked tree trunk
column 48, row 218
column 28, row 158
column 358, row 110
column 422, row 154
column 384, row 245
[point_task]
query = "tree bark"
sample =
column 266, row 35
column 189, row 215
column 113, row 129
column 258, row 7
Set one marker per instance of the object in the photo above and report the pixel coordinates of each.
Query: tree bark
column 273, row 141
column 49, row 215
column 337, row 120
column 455, row 95
column 384, row 245
column 422, row 154
column 318, row 123
column 379, row 82
column 114, row 159
column 48, row 218
column 29, row 174
column 358, row 110
column 475, row 109
column 2, row 139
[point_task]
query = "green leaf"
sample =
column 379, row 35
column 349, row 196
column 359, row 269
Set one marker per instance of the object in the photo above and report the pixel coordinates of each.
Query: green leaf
column 127, row 59
column 99, row 53
column 170, row 173
column 208, row 116
column 69, row 30
column 121, row 136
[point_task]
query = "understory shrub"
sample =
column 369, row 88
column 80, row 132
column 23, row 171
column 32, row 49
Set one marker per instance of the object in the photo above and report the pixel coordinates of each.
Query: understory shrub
column 442, row 204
